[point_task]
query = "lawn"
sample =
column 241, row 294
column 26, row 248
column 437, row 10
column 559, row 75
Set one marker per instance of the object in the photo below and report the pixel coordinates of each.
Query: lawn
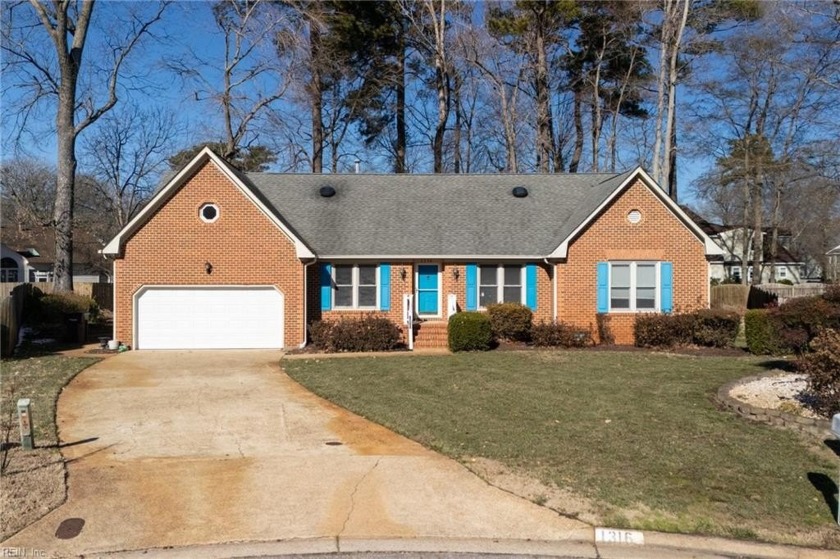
column 32, row 482
column 635, row 433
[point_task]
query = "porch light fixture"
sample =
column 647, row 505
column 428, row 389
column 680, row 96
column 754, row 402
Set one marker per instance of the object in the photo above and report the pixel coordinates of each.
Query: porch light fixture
column 456, row 273
column 403, row 274
column 208, row 267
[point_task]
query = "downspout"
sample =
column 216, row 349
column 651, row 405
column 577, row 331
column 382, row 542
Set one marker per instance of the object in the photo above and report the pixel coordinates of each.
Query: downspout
column 553, row 288
column 113, row 296
column 305, row 291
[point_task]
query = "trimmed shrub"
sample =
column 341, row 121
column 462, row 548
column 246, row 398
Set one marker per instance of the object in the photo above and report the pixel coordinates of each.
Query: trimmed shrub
column 559, row 334
column 470, row 331
column 50, row 309
column 799, row 321
column 510, row 321
column 715, row 328
column 367, row 333
column 663, row 330
column 822, row 366
column 760, row 332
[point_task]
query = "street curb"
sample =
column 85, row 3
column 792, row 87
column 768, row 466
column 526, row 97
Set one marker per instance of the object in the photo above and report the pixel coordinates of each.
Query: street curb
column 657, row 546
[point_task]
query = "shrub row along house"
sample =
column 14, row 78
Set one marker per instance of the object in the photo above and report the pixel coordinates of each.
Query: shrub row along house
column 224, row 259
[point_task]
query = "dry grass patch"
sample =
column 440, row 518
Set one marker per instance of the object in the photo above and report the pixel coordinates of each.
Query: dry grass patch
column 32, row 482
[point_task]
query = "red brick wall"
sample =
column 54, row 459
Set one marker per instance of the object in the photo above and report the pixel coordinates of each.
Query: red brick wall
column 450, row 284
column 244, row 246
column 659, row 236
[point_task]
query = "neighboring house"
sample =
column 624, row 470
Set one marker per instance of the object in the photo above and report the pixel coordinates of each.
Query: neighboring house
column 730, row 239
column 832, row 272
column 14, row 265
column 35, row 250
column 224, row 259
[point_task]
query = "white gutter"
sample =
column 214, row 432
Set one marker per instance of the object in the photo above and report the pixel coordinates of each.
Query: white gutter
column 553, row 268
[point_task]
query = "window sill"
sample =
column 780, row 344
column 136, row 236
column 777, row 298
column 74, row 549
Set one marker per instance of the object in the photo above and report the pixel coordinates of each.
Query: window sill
column 633, row 311
column 351, row 309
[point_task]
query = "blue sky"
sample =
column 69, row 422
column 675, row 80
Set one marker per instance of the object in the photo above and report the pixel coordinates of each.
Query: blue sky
column 187, row 24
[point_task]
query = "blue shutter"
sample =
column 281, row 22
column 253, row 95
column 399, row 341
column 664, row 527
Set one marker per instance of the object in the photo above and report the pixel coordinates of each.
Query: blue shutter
column 666, row 293
column 472, row 287
column 531, row 286
column 326, row 287
column 385, row 287
column 603, row 287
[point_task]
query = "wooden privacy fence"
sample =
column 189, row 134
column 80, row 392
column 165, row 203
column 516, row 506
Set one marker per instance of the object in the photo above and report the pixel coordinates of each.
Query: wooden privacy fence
column 741, row 297
column 11, row 315
column 102, row 293
column 784, row 292
column 730, row 297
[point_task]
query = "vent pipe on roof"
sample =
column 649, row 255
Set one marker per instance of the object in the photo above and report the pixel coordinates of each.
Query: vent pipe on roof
column 358, row 166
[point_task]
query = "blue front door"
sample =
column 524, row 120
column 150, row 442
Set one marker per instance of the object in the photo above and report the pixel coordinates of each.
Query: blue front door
column 427, row 289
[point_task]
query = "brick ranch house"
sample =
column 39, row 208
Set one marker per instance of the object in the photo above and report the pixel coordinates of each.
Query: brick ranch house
column 225, row 259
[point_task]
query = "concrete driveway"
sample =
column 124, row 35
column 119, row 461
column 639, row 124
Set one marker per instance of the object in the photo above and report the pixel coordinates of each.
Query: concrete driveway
column 204, row 447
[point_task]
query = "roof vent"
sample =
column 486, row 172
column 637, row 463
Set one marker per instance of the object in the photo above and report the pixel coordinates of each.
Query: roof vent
column 327, row 191
column 520, row 192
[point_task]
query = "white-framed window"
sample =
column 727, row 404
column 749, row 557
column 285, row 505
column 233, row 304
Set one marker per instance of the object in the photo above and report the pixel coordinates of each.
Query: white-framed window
column 782, row 272
column 8, row 270
column 634, row 286
column 355, row 286
column 209, row 213
column 500, row 283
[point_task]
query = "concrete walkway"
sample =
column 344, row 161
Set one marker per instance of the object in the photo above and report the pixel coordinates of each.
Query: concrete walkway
column 172, row 449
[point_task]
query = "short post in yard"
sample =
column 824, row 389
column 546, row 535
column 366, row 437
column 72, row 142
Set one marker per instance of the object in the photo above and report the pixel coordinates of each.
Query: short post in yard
column 25, row 419
column 835, row 428
column 408, row 318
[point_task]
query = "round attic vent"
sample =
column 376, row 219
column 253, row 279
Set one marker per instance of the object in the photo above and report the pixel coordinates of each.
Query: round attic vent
column 327, row 191
column 520, row 192
column 634, row 217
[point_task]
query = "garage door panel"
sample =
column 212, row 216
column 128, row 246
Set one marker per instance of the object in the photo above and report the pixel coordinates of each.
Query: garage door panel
column 210, row 318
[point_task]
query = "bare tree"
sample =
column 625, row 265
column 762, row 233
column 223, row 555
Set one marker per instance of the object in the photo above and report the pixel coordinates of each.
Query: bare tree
column 505, row 74
column 672, row 31
column 53, row 75
column 773, row 106
column 126, row 154
column 27, row 189
column 259, row 48
column 433, row 14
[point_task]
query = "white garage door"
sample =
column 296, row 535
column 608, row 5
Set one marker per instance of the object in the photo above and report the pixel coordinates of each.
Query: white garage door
column 209, row 318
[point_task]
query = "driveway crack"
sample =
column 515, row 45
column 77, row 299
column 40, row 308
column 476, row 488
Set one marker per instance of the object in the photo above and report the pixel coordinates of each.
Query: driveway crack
column 353, row 497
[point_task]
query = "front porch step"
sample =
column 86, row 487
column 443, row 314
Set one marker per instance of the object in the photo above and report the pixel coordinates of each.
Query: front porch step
column 430, row 334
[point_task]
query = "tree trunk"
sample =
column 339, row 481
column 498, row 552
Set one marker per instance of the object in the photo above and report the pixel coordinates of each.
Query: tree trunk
column 544, row 131
column 578, row 118
column 316, row 92
column 65, row 177
column 400, row 148
column 664, row 56
column 442, row 83
column 672, row 159
column 456, row 133
column 673, row 75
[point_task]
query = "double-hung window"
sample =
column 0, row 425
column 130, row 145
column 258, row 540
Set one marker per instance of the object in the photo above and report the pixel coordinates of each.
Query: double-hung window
column 500, row 284
column 634, row 286
column 355, row 286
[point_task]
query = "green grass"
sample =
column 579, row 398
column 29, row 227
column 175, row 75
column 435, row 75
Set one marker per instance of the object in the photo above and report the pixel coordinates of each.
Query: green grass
column 636, row 432
column 39, row 378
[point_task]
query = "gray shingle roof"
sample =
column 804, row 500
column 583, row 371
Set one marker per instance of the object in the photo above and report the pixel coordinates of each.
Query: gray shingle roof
column 433, row 215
